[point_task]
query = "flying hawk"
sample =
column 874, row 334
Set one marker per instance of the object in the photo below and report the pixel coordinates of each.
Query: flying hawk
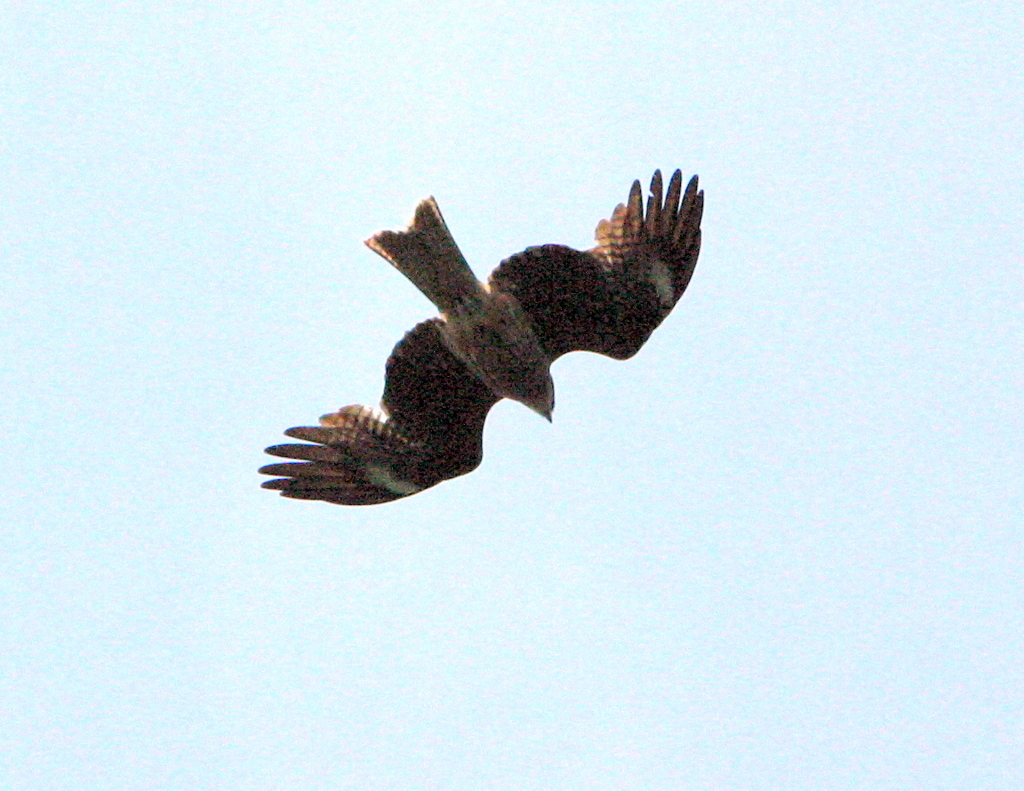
column 492, row 341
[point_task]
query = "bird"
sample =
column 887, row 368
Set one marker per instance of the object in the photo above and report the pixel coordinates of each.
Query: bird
column 491, row 341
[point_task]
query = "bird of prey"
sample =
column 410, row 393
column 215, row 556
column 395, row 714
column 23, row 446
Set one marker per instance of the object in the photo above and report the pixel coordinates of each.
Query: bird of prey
column 492, row 341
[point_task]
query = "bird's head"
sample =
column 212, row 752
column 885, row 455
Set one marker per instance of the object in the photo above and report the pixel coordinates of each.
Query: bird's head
column 538, row 393
column 521, row 376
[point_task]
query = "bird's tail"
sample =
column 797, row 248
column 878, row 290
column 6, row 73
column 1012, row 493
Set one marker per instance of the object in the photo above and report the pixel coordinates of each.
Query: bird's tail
column 427, row 254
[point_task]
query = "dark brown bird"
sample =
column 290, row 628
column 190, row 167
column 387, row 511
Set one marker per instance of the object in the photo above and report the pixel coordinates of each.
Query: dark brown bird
column 491, row 342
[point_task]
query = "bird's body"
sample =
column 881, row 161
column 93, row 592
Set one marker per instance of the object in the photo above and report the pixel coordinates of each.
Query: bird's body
column 485, row 328
column 493, row 341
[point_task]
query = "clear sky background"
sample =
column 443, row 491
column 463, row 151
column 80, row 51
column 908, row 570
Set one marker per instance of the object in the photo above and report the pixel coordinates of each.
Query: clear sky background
column 781, row 547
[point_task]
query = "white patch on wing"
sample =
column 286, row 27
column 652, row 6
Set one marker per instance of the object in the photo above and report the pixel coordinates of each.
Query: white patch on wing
column 661, row 279
column 383, row 478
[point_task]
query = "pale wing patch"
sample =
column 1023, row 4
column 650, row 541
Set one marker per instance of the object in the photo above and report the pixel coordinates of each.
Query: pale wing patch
column 383, row 478
column 661, row 279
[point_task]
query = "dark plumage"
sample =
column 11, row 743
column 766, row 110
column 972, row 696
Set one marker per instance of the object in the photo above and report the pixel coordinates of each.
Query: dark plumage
column 492, row 342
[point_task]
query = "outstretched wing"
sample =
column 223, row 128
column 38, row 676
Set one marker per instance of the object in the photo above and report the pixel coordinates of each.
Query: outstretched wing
column 431, row 429
column 611, row 298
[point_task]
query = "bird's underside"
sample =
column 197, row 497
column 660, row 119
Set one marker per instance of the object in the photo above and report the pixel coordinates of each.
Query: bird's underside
column 493, row 341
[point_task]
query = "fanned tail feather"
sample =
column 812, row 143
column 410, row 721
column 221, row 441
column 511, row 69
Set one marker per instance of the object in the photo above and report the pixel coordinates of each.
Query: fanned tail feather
column 427, row 254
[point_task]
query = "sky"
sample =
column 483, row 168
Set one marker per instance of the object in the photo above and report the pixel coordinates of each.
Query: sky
column 780, row 548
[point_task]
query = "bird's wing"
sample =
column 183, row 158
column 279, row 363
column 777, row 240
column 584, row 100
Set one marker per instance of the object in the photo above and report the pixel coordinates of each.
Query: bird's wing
column 431, row 430
column 611, row 298
column 436, row 400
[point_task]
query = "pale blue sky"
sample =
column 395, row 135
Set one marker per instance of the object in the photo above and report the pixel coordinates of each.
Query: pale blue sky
column 781, row 548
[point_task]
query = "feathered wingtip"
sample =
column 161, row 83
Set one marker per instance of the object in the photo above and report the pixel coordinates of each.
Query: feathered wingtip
column 427, row 254
column 667, row 221
column 331, row 469
column 660, row 245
